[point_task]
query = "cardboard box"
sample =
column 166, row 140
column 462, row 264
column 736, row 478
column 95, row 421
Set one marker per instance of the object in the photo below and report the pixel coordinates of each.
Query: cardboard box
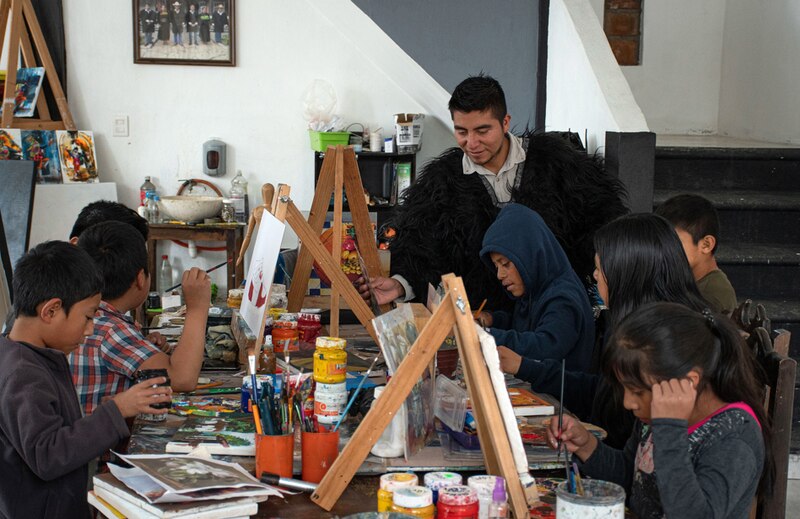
column 408, row 129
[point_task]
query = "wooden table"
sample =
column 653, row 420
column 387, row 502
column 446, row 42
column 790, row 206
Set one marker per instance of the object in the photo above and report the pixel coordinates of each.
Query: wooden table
column 232, row 235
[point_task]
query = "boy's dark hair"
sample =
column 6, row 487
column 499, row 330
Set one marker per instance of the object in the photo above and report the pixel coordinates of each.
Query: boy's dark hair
column 693, row 214
column 54, row 269
column 479, row 93
column 104, row 211
column 120, row 253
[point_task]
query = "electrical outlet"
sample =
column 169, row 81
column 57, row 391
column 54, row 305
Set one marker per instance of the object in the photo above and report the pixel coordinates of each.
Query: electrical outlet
column 120, row 125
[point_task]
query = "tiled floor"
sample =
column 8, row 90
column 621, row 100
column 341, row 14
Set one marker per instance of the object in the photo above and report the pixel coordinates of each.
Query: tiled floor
column 716, row 141
column 793, row 499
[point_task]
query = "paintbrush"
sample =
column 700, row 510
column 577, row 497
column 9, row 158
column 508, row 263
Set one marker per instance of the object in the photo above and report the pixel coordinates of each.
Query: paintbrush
column 477, row 312
column 561, row 417
column 212, row 269
column 251, row 361
column 355, row 393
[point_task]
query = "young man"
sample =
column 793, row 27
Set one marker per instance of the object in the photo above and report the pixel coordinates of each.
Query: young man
column 45, row 442
column 456, row 196
column 697, row 224
column 105, row 363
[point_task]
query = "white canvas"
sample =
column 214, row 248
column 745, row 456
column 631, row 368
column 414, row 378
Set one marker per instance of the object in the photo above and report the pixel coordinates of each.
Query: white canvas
column 261, row 271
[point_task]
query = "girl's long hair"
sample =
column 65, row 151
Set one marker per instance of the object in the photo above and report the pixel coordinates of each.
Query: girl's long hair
column 662, row 341
column 643, row 262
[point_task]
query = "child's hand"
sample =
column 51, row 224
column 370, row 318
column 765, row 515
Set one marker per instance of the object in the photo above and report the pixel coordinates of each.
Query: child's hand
column 510, row 361
column 196, row 289
column 140, row 397
column 484, row 319
column 159, row 340
column 673, row 399
column 574, row 437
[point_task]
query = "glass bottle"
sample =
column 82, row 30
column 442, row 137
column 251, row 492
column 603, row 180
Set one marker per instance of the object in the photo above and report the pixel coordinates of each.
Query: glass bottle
column 153, row 215
column 146, row 187
column 239, row 197
column 165, row 274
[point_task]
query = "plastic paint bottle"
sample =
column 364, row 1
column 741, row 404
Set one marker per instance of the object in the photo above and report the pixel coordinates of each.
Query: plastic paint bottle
column 439, row 480
column 484, row 487
column 391, row 482
column 499, row 507
column 457, row 502
column 415, row 501
column 330, row 360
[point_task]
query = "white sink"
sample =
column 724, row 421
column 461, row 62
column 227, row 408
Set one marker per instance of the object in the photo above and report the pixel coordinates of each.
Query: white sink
column 190, row 208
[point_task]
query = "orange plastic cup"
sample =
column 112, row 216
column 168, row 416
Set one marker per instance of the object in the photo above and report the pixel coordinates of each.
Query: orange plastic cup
column 274, row 454
column 319, row 450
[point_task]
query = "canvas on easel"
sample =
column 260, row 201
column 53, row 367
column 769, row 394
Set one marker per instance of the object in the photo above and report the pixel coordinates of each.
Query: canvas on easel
column 26, row 38
column 452, row 315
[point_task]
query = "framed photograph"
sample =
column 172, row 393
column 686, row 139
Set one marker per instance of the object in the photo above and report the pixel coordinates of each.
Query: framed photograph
column 184, row 32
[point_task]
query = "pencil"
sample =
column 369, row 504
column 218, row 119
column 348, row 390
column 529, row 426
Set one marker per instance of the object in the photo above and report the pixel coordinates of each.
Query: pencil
column 212, row 269
column 257, row 419
column 477, row 312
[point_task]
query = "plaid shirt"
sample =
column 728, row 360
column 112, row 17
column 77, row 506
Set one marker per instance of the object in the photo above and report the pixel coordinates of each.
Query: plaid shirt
column 106, row 361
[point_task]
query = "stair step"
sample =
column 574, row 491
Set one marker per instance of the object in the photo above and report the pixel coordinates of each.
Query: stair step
column 759, row 254
column 738, row 199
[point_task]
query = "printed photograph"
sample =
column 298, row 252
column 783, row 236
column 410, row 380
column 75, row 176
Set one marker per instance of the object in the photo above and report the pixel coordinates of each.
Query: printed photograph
column 184, row 32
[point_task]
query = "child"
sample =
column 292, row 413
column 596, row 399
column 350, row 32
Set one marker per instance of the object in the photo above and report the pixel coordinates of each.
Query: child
column 700, row 444
column 104, row 211
column 552, row 317
column 45, row 443
column 105, row 363
column 697, row 224
column 639, row 260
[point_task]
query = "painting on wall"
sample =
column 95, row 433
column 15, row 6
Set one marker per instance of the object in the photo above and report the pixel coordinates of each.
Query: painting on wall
column 184, row 32
column 39, row 146
column 77, row 154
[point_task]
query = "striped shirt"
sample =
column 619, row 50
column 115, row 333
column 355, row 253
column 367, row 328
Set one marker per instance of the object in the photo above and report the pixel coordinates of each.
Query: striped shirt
column 105, row 363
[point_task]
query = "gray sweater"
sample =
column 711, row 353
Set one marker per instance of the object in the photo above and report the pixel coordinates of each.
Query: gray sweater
column 45, row 443
column 711, row 473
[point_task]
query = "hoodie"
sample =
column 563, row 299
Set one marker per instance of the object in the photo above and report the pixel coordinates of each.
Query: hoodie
column 553, row 318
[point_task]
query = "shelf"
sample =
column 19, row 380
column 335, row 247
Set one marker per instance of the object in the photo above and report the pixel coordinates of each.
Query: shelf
column 377, row 154
column 370, row 208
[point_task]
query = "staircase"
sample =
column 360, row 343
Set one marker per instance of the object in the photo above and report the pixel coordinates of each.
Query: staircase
column 757, row 194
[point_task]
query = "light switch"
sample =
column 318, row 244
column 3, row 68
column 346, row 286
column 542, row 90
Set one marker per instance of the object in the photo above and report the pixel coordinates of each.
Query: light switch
column 120, row 124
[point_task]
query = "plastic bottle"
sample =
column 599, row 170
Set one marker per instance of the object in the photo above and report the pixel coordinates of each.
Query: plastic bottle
column 153, row 215
column 499, row 507
column 146, row 187
column 241, row 207
column 392, row 441
column 165, row 274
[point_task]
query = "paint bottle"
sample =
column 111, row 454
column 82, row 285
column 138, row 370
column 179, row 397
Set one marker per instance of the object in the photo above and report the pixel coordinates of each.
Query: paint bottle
column 329, row 402
column 391, row 482
column 439, row 480
column 457, row 502
column 484, row 487
column 415, row 501
column 499, row 507
column 330, row 360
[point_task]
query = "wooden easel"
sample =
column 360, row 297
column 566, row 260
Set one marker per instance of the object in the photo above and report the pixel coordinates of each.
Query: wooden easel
column 339, row 173
column 284, row 209
column 453, row 314
column 25, row 26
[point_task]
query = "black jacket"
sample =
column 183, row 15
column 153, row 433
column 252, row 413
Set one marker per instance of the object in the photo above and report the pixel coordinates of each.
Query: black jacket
column 45, row 443
column 444, row 215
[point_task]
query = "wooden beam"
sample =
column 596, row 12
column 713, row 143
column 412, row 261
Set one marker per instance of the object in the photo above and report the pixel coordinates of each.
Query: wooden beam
column 383, row 409
column 311, row 240
column 492, row 433
column 13, row 64
column 336, row 237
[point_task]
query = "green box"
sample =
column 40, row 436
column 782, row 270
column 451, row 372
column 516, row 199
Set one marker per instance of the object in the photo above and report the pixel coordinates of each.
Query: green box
column 321, row 140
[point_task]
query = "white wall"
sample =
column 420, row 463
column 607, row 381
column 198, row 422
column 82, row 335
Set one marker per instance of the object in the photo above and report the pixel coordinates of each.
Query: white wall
column 760, row 97
column 677, row 84
column 255, row 107
column 585, row 87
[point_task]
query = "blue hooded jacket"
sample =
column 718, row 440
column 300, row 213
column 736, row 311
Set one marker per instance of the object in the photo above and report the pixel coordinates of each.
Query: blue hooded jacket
column 553, row 318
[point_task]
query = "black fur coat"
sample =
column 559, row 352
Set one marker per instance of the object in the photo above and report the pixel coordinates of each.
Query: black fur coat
column 443, row 215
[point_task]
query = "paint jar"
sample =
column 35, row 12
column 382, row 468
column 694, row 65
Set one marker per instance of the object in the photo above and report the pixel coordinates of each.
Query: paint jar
column 375, row 140
column 439, row 480
column 308, row 326
column 599, row 499
column 457, row 502
column 329, row 402
column 285, row 337
column 330, row 360
column 415, row 501
column 235, row 298
column 484, row 487
column 147, row 374
column 391, row 482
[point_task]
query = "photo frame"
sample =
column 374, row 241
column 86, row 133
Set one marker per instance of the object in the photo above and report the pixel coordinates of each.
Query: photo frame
column 184, row 32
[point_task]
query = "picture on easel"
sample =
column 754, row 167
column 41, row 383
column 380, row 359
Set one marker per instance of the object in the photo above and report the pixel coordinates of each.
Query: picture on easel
column 29, row 84
column 263, row 262
column 184, row 32
column 40, row 147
